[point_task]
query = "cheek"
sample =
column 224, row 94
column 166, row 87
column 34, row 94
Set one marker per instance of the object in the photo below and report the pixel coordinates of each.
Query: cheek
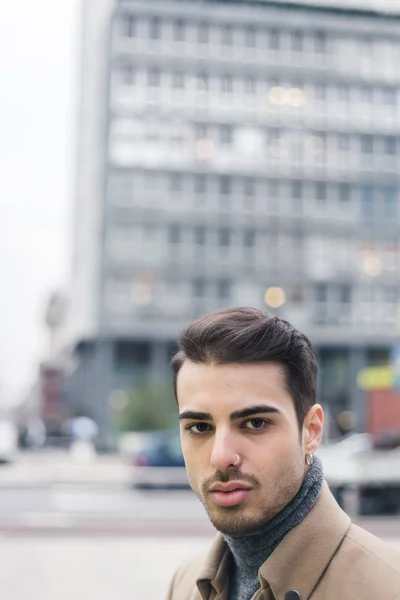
column 280, row 449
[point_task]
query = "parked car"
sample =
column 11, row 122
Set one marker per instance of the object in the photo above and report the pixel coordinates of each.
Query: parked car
column 8, row 441
column 159, row 462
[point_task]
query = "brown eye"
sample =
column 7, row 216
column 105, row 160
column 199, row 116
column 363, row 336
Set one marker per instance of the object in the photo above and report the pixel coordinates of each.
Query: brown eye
column 255, row 424
column 198, row 428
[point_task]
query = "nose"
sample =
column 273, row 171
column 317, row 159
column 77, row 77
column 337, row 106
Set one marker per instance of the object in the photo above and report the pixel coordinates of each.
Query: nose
column 223, row 454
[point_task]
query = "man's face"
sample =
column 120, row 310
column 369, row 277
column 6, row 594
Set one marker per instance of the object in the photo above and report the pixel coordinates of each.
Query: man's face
column 244, row 410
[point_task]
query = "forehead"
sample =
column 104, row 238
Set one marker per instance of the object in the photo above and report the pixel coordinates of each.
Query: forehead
column 223, row 388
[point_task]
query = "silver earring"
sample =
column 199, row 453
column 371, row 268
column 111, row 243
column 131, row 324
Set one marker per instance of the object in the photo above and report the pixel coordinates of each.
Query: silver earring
column 235, row 464
column 309, row 459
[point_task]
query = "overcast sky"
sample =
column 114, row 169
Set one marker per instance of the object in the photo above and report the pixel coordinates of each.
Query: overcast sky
column 38, row 66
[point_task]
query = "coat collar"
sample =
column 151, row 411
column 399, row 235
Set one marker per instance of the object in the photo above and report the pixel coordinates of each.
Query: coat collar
column 299, row 560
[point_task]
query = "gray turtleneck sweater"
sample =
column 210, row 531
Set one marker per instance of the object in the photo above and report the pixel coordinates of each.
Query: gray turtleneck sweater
column 251, row 550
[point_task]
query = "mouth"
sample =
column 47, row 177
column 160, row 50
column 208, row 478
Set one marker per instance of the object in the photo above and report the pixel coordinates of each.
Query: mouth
column 229, row 494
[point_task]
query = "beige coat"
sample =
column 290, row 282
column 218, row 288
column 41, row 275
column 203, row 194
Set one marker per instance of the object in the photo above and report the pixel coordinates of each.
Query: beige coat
column 326, row 557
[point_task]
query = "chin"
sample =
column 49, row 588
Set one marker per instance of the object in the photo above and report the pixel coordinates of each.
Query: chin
column 232, row 521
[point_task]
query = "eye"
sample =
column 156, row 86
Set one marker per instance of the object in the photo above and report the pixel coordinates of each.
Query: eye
column 255, row 424
column 198, row 428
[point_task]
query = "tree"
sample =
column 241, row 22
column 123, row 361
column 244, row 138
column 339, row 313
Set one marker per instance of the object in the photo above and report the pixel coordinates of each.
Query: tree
column 150, row 406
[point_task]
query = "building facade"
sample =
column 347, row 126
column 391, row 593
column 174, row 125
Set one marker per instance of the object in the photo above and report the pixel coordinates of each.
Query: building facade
column 235, row 153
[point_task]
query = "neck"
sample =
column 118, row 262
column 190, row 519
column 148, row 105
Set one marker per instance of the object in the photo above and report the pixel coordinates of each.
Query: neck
column 251, row 550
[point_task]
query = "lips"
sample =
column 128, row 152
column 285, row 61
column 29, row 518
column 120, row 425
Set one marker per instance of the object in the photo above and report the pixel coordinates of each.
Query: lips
column 229, row 494
column 230, row 486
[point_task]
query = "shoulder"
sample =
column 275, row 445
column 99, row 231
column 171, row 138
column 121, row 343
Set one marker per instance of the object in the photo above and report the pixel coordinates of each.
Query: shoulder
column 373, row 550
column 366, row 566
column 363, row 566
column 184, row 580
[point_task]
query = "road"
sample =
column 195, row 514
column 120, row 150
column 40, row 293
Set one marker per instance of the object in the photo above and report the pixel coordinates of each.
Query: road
column 100, row 509
column 69, row 533
column 80, row 568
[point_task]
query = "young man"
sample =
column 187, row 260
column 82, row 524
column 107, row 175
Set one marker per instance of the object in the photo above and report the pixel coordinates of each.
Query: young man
column 245, row 384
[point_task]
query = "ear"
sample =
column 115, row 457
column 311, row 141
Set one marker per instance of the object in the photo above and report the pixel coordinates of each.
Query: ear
column 313, row 428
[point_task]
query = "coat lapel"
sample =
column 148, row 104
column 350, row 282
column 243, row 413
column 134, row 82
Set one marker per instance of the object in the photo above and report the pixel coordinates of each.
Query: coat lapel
column 213, row 578
column 296, row 564
column 303, row 555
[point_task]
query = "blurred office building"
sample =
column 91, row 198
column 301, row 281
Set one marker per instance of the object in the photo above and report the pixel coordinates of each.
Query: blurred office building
column 235, row 153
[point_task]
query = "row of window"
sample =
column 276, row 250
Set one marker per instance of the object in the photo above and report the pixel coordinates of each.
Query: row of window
column 296, row 93
column 322, row 295
column 364, row 143
column 299, row 144
column 250, row 36
column 224, row 235
column 376, row 201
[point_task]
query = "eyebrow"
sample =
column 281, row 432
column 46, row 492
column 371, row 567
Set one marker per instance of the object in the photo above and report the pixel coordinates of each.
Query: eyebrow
column 237, row 414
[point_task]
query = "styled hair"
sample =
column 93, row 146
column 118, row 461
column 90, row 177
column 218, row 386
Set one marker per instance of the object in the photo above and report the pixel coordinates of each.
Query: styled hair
column 246, row 335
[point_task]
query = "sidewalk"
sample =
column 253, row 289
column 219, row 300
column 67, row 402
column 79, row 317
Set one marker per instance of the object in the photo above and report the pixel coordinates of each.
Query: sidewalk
column 44, row 468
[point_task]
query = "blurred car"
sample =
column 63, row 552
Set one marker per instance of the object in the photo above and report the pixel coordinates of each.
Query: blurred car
column 159, row 463
column 8, row 441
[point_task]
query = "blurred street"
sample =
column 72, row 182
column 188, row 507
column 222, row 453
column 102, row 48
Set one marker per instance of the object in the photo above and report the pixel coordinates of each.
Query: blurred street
column 74, row 531
column 61, row 568
column 48, row 492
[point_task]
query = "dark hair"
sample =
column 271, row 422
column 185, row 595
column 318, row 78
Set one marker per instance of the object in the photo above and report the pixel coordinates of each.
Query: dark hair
column 245, row 335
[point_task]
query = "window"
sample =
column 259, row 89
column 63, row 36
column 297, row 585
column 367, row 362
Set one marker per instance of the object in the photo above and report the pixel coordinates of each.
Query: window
column 297, row 295
column 274, row 140
column 321, row 191
column 248, row 186
column 249, row 238
column 367, row 144
column 274, row 39
column 179, row 30
column 391, row 294
column 199, row 287
column 390, row 202
column 389, row 95
column 130, row 355
column 344, row 142
column 154, row 78
column 343, row 93
column 320, row 91
column 344, row 293
column 297, row 41
column 175, row 182
column 200, row 131
column 226, row 135
column 319, row 144
column 202, row 82
column 367, row 201
column 344, row 192
column 178, row 80
column 155, row 28
column 203, row 33
column 367, row 94
column 320, row 43
column 200, row 184
column 250, row 85
column 128, row 74
column 200, row 235
column 224, row 236
column 224, row 289
column 297, row 189
column 225, row 185
column 321, row 292
column 129, row 26
column 227, row 35
column 227, row 83
column 175, row 233
column 273, row 189
column 250, row 37
column 390, row 145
